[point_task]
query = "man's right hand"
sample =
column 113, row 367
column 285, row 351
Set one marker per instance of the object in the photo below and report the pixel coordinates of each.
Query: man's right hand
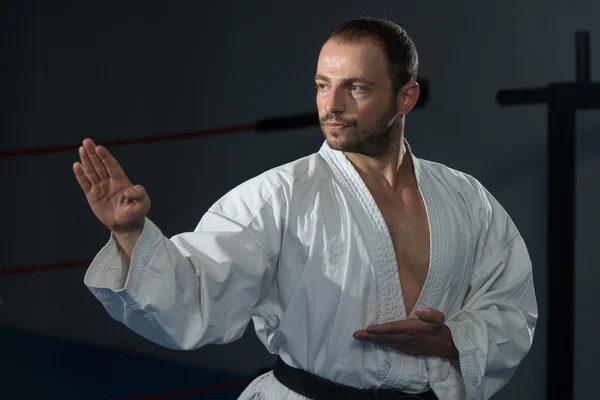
column 118, row 204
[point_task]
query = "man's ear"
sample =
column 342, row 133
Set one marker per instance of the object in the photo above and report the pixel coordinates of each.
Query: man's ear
column 407, row 99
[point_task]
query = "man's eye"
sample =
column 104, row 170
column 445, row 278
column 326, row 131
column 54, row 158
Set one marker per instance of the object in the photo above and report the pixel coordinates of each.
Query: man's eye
column 321, row 86
column 356, row 88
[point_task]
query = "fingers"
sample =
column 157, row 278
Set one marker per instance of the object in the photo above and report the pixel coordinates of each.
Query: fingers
column 113, row 168
column 98, row 163
column 81, row 178
column 88, row 167
column 431, row 315
column 396, row 341
column 395, row 327
column 405, row 326
column 90, row 147
column 364, row 335
column 382, row 329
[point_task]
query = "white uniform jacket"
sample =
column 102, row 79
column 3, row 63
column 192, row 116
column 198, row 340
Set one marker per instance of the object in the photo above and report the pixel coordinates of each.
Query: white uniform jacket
column 303, row 251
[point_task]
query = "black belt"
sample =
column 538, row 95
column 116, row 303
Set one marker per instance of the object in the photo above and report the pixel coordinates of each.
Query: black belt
column 317, row 388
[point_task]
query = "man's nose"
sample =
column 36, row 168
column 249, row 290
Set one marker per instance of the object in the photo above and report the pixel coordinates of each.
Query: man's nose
column 335, row 101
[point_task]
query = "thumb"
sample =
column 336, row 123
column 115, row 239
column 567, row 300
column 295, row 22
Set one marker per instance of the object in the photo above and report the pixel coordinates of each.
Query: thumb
column 136, row 192
column 431, row 315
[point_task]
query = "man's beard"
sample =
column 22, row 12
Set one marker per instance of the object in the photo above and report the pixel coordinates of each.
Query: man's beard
column 373, row 142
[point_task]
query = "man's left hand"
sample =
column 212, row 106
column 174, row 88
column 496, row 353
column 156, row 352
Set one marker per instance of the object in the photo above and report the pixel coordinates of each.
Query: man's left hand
column 428, row 335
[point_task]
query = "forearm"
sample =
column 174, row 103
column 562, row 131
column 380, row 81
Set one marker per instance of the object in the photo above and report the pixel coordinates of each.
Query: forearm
column 184, row 292
column 147, row 295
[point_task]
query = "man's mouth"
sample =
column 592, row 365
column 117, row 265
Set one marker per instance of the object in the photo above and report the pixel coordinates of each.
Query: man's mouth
column 334, row 126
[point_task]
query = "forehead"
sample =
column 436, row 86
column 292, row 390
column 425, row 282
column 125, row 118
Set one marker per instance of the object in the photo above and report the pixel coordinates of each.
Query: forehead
column 364, row 59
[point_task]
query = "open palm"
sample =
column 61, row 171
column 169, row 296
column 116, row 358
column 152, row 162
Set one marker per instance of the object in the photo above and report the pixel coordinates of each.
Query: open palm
column 117, row 203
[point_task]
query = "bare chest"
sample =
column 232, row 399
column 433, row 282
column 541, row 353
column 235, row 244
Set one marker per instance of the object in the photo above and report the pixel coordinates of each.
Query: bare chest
column 406, row 218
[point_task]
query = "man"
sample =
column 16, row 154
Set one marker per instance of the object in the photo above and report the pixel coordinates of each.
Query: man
column 364, row 268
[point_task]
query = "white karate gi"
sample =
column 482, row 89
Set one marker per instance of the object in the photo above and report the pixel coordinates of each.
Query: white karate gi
column 304, row 252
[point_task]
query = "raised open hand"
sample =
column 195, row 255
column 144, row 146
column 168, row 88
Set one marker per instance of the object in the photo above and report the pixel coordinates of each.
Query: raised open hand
column 117, row 203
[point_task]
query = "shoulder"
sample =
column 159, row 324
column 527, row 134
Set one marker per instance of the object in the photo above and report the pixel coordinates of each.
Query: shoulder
column 458, row 181
column 268, row 192
column 486, row 211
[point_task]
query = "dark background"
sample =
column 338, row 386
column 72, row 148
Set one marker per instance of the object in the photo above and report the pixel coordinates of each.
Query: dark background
column 111, row 70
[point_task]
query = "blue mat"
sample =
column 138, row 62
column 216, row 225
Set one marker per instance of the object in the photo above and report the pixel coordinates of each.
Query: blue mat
column 38, row 367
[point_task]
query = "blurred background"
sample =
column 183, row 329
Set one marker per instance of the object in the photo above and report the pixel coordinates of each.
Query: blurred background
column 117, row 70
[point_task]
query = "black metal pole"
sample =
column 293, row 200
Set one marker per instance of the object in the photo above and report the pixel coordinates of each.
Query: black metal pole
column 582, row 56
column 561, row 243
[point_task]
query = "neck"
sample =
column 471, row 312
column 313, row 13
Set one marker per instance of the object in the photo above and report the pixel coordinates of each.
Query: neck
column 390, row 170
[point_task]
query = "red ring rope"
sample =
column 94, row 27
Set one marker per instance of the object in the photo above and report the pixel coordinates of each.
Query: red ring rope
column 71, row 264
column 11, row 153
column 263, row 125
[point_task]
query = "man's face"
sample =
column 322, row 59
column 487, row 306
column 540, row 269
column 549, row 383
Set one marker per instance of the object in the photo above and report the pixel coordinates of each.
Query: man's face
column 354, row 97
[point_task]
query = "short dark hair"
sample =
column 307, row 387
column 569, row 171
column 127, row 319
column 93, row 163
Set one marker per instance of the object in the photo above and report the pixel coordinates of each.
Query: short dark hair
column 398, row 47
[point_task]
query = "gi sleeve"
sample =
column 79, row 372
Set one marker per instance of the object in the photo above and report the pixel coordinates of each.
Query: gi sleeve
column 194, row 289
column 494, row 329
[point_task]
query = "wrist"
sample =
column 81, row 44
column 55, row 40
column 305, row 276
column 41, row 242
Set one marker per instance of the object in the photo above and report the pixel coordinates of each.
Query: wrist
column 449, row 349
column 129, row 234
column 126, row 242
